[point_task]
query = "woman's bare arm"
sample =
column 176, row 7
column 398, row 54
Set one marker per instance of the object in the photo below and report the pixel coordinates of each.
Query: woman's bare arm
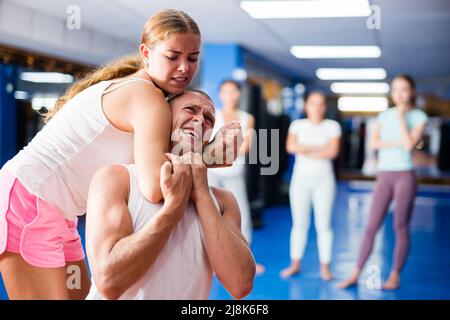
column 376, row 143
column 151, row 120
column 409, row 139
column 329, row 151
column 293, row 147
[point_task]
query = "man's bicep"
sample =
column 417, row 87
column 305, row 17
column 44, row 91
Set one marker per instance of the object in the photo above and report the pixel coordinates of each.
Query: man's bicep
column 108, row 219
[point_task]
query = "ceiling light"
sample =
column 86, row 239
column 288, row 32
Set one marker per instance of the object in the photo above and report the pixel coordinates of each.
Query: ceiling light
column 351, row 74
column 20, row 95
column 335, row 52
column 306, row 9
column 360, row 87
column 362, row 104
column 46, row 77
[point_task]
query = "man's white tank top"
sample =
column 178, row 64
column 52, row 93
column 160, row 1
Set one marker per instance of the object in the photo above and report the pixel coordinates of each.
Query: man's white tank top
column 182, row 270
column 58, row 164
column 238, row 167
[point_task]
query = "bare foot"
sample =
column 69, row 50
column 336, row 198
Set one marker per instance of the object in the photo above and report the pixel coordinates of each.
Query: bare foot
column 260, row 268
column 325, row 272
column 293, row 269
column 393, row 282
column 350, row 282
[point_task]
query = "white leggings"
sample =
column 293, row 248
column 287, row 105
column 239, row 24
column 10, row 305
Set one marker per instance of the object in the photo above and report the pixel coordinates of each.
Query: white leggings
column 237, row 186
column 320, row 191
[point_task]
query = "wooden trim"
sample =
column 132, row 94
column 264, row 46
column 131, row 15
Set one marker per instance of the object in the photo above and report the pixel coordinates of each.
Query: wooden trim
column 42, row 62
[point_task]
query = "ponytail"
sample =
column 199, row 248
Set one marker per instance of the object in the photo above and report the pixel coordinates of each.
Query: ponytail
column 117, row 69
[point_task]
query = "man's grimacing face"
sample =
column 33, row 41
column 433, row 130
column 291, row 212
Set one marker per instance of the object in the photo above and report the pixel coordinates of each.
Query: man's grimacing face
column 193, row 118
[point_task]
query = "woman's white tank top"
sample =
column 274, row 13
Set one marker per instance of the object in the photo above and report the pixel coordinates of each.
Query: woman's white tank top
column 182, row 270
column 58, row 164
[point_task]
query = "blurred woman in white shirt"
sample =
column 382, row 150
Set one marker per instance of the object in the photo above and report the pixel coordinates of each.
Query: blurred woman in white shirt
column 315, row 143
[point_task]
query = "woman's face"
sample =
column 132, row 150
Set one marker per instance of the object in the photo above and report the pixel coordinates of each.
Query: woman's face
column 173, row 62
column 316, row 107
column 229, row 94
column 401, row 92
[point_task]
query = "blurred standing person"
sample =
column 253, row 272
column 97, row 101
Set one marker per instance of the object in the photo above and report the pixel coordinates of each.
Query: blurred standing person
column 232, row 178
column 398, row 131
column 315, row 143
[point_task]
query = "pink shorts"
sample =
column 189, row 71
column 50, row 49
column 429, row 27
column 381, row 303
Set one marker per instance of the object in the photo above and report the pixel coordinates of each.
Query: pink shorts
column 34, row 228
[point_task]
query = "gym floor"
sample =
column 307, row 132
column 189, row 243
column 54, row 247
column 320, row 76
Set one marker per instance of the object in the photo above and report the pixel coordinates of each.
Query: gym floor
column 426, row 274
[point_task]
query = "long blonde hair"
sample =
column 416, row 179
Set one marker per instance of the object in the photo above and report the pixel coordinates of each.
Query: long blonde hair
column 157, row 28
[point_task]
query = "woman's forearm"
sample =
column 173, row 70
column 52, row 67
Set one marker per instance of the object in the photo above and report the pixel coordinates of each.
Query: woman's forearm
column 132, row 256
column 406, row 138
column 151, row 188
column 296, row 148
column 381, row 144
column 229, row 255
column 326, row 153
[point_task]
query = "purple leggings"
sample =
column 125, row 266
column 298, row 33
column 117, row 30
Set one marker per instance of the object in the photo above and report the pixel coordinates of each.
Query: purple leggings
column 399, row 186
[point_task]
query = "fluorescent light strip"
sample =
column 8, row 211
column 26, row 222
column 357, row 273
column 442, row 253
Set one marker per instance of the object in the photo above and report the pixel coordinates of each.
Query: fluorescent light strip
column 335, row 52
column 351, row 74
column 360, row 87
column 306, row 9
column 46, row 77
column 20, row 95
column 362, row 104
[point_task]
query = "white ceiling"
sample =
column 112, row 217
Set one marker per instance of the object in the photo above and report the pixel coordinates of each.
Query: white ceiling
column 414, row 35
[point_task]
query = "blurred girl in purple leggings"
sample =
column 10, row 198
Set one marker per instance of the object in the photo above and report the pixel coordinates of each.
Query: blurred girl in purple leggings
column 399, row 130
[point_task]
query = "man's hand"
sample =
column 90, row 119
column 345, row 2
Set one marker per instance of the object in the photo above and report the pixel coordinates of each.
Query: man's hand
column 176, row 183
column 199, row 174
column 224, row 149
